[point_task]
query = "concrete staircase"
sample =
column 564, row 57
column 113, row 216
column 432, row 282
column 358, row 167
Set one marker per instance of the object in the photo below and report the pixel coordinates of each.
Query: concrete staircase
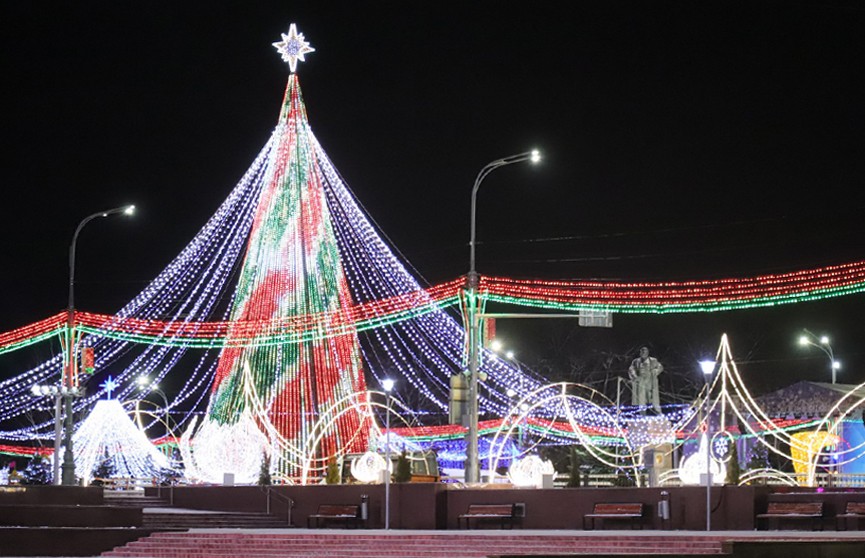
column 157, row 514
column 377, row 544
column 168, row 519
column 133, row 499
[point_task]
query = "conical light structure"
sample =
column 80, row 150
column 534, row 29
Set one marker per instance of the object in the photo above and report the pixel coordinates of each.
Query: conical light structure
column 272, row 320
column 292, row 268
column 109, row 431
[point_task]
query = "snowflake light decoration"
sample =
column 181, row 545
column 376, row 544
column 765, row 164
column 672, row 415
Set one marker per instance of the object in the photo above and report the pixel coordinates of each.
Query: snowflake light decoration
column 292, row 47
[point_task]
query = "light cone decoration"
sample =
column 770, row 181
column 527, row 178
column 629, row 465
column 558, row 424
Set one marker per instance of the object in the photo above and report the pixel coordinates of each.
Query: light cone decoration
column 293, row 267
column 109, row 431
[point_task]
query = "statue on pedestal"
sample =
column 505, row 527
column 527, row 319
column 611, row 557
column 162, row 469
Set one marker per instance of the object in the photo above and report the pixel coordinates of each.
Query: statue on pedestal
column 644, row 372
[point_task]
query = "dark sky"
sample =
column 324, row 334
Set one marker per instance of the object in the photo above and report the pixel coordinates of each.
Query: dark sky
column 681, row 140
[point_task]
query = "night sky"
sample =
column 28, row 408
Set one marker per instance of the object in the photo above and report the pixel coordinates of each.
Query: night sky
column 680, row 139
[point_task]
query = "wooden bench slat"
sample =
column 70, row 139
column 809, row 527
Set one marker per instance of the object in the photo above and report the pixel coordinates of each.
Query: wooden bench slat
column 852, row 514
column 794, row 508
column 502, row 512
column 490, row 509
column 335, row 512
column 614, row 510
column 620, row 508
column 778, row 511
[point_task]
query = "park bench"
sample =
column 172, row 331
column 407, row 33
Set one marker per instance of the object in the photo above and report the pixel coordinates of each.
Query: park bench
column 503, row 513
column 854, row 511
column 330, row 513
column 632, row 512
column 786, row 511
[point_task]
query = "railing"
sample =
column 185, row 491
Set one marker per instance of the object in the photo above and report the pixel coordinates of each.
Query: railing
column 600, row 480
column 824, row 480
column 272, row 493
column 121, row 484
column 124, row 483
column 597, row 480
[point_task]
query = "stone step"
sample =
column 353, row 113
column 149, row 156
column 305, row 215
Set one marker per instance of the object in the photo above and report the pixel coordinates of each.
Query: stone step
column 135, row 501
column 452, row 545
column 192, row 520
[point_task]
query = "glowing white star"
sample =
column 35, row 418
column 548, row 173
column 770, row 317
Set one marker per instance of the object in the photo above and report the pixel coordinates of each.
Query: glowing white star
column 109, row 385
column 292, row 47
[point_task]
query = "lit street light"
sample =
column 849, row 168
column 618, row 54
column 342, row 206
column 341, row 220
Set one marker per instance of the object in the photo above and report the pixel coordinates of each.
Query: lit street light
column 70, row 371
column 708, row 366
column 472, row 468
column 821, row 343
column 58, row 393
column 387, row 384
column 144, row 384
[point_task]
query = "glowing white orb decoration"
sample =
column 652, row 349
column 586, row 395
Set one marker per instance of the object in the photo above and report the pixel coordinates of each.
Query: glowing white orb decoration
column 236, row 448
column 530, row 471
column 368, row 467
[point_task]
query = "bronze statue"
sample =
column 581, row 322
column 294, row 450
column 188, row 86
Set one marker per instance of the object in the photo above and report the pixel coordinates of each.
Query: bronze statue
column 644, row 373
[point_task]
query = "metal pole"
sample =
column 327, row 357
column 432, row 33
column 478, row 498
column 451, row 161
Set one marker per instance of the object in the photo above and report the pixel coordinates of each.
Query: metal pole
column 68, row 474
column 618, row 412
column 708, row 458
column 69, row 380
column 58, row 434
column 387, row 466
column 472, row 468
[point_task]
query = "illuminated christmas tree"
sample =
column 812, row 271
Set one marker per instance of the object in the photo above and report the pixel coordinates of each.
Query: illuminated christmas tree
column 293, row 267
column 274, row 320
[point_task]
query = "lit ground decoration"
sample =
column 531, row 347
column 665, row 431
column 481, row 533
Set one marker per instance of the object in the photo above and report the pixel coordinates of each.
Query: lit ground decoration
column 288, row 305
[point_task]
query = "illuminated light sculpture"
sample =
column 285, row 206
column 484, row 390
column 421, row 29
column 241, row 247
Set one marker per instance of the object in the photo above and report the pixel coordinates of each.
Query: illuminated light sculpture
column 109, row 429
column 810, row 444
column 218, row 449
column 585, row 420
column 530, row 471
column 694, row 466
column 849, row 405
column 368, row 468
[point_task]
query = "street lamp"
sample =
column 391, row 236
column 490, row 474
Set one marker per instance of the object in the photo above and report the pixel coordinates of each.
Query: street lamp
column 70, row 376
column 708, row 366
column 821, row 343
column 144, row 384
column 387, row 384
column 57, row 392
column 472, row 470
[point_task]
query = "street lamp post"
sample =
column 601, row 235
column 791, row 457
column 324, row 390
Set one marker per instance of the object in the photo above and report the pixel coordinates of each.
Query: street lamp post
column 70, row 372
column 472, row 469
column 822, row 343
column 387, row 384
column 144, row 384
column 708, row 366
column 55, row 392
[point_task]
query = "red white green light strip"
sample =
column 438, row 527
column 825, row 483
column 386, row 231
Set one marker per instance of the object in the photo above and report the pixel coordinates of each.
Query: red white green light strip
column 646, row 298
column 685, row 296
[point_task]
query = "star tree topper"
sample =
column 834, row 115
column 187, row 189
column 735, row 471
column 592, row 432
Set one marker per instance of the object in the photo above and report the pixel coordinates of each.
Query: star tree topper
column 292, row 47
column 109, row 385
